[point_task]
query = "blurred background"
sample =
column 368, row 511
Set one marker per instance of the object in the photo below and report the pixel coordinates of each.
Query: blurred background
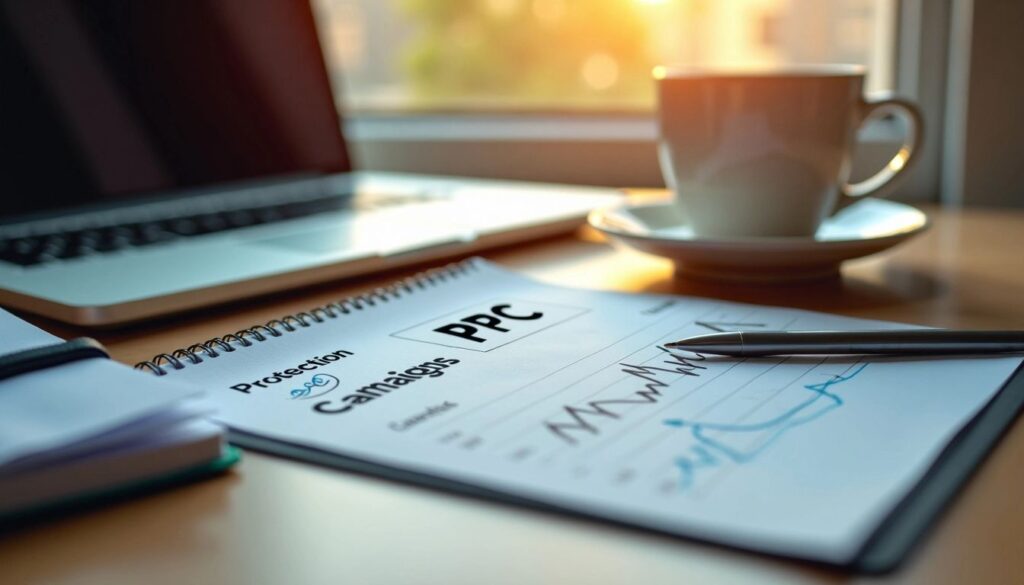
column 580, row 54
column 561, row 90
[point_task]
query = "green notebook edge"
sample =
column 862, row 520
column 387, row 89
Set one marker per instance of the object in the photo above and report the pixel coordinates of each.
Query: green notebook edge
column 124, row 491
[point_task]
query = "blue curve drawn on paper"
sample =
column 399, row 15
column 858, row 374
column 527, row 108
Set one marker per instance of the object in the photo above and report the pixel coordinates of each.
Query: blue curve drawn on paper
column 711, row 452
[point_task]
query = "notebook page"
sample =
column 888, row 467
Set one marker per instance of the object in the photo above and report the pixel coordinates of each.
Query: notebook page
column 16, row 335
column 67, row 405
column 565, row 396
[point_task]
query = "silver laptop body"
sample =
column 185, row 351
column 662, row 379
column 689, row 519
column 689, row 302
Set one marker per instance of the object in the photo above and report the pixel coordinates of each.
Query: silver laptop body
column 141, row 190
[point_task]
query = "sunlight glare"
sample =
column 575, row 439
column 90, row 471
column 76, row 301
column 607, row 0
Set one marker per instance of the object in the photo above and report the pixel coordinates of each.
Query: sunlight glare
column 899, row 160
column 600, row 71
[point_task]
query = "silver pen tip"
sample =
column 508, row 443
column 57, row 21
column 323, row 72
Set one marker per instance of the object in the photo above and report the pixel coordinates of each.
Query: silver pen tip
column 682, row 346
column 727, row 343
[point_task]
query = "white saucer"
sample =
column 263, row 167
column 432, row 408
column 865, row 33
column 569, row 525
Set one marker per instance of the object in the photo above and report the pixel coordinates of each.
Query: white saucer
column 866, row 227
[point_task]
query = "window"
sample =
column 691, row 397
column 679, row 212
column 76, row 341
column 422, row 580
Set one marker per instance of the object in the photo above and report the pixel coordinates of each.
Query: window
column 579, row 55
column 561, row 90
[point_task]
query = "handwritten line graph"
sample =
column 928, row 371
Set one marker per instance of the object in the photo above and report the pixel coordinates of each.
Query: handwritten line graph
column 527, row 409
column 651, row 392
column 679, row 365
column 713, row 447
column 505, row 416
column 597, row 410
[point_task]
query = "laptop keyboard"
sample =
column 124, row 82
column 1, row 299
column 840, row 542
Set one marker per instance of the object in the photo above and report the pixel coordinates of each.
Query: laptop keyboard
column 49, row 247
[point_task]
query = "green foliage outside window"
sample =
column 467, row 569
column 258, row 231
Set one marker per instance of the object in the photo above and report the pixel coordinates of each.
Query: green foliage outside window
column 529, row 53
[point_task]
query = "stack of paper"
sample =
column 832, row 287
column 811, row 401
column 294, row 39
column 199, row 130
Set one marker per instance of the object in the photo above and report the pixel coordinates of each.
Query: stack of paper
column 93, row 427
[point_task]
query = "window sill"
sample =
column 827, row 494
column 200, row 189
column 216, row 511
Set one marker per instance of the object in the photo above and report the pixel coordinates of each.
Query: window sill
column 615, row 150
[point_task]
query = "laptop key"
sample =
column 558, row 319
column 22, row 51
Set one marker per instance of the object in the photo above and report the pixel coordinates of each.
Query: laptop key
column 211, row 222
column 21, row 251
column 152, row 233
column 268, row 215
column 183, row 226
column 239, row 218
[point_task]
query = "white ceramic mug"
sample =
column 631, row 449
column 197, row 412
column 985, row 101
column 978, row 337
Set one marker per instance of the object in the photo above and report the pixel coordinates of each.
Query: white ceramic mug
column 767, row 154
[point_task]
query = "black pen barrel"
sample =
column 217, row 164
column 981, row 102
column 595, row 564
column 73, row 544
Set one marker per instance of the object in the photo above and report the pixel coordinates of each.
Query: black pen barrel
column 901, row 342
column 885, row 342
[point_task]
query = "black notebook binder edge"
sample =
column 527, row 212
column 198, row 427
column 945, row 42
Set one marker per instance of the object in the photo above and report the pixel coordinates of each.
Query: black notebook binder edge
column 906, row 525
column 892, row 542
column 50, row 356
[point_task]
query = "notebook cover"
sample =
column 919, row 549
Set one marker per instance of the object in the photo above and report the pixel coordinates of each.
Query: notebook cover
column 82, row 501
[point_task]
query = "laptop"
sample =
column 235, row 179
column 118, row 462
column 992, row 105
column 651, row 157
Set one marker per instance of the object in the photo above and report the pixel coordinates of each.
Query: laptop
column 159, row 156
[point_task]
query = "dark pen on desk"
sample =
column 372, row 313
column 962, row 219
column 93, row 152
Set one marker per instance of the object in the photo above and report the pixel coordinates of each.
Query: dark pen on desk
column 886, row 342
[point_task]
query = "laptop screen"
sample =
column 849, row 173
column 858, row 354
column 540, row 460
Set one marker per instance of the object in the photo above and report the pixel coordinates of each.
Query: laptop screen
column 110, row 99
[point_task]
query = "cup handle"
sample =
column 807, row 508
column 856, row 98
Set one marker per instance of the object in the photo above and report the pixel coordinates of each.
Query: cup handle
column 881, row 183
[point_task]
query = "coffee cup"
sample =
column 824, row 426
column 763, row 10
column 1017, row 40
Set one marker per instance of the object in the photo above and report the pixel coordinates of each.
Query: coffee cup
column 753, row 154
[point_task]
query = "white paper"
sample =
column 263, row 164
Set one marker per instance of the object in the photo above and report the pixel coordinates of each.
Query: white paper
column 16, row 335
column 67, row 406
column 564, row 396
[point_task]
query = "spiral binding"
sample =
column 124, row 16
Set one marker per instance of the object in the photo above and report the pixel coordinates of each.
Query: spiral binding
column 231, row 342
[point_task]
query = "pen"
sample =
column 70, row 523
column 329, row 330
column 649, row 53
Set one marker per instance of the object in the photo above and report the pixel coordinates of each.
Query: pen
column 888, row 342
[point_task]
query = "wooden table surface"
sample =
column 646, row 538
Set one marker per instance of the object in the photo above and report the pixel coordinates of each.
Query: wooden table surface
column 278, row 521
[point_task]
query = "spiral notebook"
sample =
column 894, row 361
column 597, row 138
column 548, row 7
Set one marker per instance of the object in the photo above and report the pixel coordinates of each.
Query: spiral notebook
column 476, row 379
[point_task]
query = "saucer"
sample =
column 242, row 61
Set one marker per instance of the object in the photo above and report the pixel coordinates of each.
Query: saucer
column 863, row 228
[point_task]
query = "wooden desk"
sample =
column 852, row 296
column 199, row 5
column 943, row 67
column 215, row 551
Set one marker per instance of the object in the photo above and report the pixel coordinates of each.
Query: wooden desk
column 277, row 521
